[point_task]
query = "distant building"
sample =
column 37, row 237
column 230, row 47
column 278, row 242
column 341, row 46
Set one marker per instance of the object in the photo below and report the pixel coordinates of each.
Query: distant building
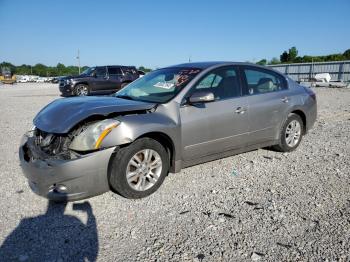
column 339, row 70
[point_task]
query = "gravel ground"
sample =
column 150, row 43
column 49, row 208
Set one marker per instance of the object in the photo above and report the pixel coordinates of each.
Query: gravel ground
column 262, row 205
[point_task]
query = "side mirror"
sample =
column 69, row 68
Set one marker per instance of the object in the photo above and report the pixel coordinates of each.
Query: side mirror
column 201, row 97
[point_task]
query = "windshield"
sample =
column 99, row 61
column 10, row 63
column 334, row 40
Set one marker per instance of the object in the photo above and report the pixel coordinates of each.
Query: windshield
column 159, row 86
column 88, row 71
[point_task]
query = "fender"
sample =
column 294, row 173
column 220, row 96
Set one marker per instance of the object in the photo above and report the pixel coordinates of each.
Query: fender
column 132, row 127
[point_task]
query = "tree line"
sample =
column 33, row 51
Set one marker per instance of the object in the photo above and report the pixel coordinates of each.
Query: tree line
column 43, row 70
column 291, row 56
column 288, row 56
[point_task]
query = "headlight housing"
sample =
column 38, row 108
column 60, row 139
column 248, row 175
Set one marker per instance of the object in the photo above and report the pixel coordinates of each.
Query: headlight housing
column 92, row 137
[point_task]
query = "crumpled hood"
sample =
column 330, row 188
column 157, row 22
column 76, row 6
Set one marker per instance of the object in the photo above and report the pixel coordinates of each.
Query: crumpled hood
column 63, row 114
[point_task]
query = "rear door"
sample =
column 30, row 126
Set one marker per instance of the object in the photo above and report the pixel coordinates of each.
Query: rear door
column 218, row 126
column 267, row 97
column 115, row 78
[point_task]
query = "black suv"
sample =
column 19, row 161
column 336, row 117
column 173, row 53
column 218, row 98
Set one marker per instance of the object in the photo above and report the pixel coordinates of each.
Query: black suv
column 98, row 80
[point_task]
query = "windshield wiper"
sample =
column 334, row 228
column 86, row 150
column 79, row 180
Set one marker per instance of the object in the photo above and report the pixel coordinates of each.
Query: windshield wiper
column 125, row 97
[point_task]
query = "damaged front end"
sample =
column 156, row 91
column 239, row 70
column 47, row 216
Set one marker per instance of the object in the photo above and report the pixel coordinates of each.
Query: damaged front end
column 83, row 139
column 43, row 146
column 66, row 157
column 56, row 171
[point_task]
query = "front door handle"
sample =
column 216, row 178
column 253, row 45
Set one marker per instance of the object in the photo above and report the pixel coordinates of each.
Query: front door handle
column 240, row 110
column 285, row 99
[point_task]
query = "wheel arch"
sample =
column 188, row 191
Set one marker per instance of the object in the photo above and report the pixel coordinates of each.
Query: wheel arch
column 81, row 83
column 166, row 142
column 302, row 116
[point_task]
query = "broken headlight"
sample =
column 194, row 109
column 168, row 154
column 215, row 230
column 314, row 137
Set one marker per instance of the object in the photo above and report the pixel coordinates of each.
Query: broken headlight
column 92, row 137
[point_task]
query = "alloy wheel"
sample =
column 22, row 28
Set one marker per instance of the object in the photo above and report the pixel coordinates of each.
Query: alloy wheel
column 82, row 90
column 144, row 169
column 293, row 133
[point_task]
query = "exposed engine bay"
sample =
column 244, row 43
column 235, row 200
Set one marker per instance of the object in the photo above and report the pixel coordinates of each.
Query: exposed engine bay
column 42, row 145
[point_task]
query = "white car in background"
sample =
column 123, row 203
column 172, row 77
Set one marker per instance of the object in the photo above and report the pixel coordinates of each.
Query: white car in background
column 22, row 79
column 41, row 80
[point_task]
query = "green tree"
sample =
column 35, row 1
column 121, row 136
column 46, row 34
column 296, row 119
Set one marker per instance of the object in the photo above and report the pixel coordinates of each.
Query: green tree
column 292, row 54
column 40, row 70
column 298, row 59
column 262, row 62
column 144, row 69
column 284, row 57
column 60, row 69
column 274, row 61
column 346, row 54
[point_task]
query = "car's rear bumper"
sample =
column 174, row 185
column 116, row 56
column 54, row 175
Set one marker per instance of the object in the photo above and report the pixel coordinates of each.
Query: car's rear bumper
column 82, row 177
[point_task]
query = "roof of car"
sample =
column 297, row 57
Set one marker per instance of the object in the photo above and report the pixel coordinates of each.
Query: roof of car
column 204, row 65
column 116, row 66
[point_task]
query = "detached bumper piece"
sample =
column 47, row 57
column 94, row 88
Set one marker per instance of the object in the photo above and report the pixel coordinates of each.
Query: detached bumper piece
column 66, row 179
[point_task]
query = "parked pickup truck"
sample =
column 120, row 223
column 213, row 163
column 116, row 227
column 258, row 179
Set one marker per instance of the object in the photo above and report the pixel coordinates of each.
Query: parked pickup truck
column 98, row 80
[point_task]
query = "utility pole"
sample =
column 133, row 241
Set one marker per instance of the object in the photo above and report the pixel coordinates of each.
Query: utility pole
column 189, row 59
column 78, row 57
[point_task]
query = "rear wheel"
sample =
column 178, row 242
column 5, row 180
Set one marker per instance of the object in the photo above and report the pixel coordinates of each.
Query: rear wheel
column 139, row 169
column 291, row 134
column 82, row 90
column 124, row 85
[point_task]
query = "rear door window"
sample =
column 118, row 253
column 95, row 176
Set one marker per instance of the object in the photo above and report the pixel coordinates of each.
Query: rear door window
column 260, row 81
column 114, row 71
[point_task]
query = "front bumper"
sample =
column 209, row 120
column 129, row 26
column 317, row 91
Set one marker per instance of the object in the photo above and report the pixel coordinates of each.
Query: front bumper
column 65, row 89
column 82, row 177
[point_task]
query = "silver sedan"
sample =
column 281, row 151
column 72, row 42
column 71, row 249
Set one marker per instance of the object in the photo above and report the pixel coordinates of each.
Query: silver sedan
column 169, row 119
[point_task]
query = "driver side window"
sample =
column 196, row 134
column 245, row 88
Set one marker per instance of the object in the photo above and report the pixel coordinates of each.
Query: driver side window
column 222, row 82
column 210, row 81
column 101, row 72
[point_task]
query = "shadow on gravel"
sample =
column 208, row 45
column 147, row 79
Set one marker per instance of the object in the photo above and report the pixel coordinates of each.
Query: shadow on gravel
column 53, row 236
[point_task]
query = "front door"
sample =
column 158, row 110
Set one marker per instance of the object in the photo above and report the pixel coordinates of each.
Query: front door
column 218, row 126
column 100, row 79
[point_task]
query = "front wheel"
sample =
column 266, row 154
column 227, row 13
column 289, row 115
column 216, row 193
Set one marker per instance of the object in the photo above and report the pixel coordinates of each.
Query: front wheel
column 291, row 134
column 139, row 169
column 82, row 90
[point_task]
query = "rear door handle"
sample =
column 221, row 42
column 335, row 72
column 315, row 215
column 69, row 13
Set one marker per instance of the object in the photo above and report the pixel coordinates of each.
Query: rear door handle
column 285, row 100
column 240, row 110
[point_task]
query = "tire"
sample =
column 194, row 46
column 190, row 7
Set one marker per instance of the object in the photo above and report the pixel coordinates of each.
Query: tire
column 81, row 90
column 123, row 166
column 123, row 85
column 294, row 125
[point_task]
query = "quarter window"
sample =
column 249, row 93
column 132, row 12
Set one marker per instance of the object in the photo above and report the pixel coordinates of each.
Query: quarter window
column 262, row 81
column 222, row 82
